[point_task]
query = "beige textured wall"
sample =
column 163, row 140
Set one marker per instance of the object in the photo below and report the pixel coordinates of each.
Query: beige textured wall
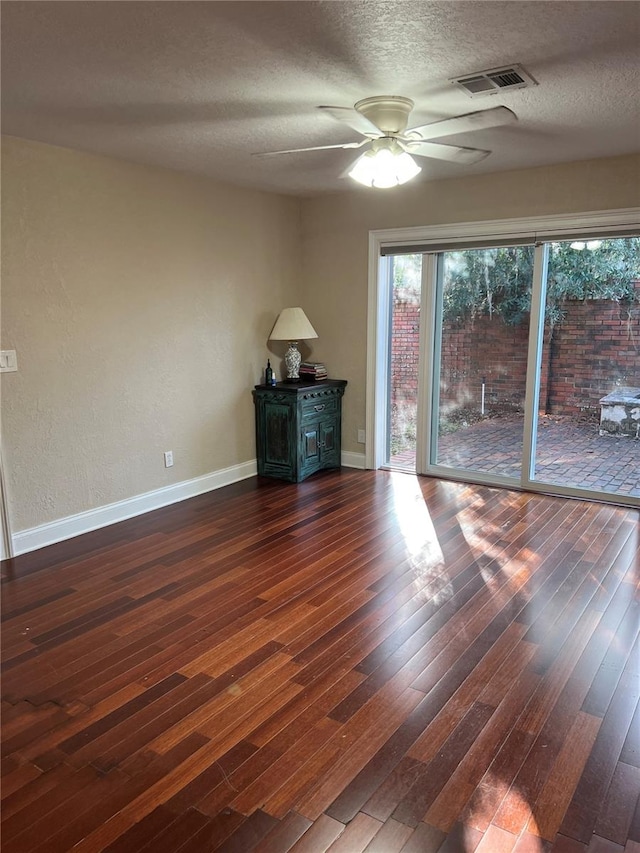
column 139, row 302
column 335, row 232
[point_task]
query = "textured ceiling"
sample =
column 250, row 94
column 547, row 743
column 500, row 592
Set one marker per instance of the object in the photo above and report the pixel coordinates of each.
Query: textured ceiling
column 200, row 86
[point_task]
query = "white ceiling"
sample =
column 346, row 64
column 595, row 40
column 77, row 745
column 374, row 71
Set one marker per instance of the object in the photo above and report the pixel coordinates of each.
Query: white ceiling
column 200, row 86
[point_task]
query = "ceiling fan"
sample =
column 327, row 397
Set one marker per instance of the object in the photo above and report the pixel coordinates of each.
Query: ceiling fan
column 382, row 121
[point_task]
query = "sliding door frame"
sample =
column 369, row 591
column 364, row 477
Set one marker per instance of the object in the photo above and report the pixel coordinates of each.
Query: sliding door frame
column 429, row 240
column 534, row 362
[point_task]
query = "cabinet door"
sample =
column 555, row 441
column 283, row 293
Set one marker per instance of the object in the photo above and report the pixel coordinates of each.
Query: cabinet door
column 329, row 444
column 320, row 445
column 310, row 447
column 277, row 430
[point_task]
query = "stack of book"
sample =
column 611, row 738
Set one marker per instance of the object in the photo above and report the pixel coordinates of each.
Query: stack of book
column 313, row 370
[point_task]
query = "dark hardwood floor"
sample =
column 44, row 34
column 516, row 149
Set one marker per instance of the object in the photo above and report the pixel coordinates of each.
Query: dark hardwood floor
column 364, row 661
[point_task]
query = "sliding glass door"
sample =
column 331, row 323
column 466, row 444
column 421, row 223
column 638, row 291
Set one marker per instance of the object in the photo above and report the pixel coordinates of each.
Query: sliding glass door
column 517, row 362
column 405, row 284
column 482, row 329
column 588, row 426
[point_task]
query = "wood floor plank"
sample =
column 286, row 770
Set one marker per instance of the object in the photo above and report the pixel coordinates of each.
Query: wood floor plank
column 416, row 802
column 384, row 719
column 531, row 843
column 217, row 774
column 599, row 696
column 86, row 718
column 465, row 778
column 50, row 800
column 425, row 839
column 143, row 832
column 214, row 833
column 547, row 811
column 583, row 810
column 616, row 813
column 362, row 661
column 356, row 836
column 320, row 836
column 530, row 721
column 18, row 778
column 282, row 768
column 178, row 833
column 367, row 781
column 284, row 835
column 120, row 744
column 488, row 683
column 226, row 710
column 390, row 838
column 316, row 700
column 497, row 840
column 250, row 832
column 26, row 794
column 394, row 788
column 631, row 748
column 346, row 746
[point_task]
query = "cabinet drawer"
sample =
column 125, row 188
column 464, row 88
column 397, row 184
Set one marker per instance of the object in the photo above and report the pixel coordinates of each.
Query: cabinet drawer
column 319, row 406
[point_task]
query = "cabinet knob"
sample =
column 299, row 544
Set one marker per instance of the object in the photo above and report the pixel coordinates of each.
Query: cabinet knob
column 319, row 408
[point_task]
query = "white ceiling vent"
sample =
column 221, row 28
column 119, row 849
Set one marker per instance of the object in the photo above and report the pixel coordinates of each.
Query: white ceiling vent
column 493, row 81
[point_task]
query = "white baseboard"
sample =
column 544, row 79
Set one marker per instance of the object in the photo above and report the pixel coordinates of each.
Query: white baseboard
column 93, row 519
column 84, row 522
column 352, row 460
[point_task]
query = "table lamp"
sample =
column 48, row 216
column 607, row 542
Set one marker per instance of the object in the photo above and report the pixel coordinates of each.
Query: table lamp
column 292, row 325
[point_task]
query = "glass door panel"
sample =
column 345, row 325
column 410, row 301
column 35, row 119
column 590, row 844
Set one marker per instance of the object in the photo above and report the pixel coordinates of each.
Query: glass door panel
column 480, row 362
column 589, row 401
column 404, row 352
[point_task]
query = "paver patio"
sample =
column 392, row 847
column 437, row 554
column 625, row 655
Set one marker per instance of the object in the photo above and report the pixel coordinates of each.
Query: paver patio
column 568, row 453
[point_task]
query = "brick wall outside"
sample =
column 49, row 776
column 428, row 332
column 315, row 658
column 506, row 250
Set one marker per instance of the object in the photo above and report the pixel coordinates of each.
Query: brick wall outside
column 488, row 350
column 595, row 349
column 405, row 351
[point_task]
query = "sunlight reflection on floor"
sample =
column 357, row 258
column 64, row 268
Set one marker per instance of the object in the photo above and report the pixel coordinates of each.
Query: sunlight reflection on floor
column 486, row 819
column 416, row 526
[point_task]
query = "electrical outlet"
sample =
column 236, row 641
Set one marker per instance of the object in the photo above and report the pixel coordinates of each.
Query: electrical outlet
column 168, row 458
column 362, row 436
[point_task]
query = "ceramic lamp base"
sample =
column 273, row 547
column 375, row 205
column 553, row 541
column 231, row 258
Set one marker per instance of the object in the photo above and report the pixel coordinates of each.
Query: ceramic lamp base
column 292, row 359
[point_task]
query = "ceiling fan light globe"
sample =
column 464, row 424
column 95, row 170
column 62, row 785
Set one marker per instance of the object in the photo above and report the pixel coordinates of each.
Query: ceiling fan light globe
column 406, row 168
column 384, row 168
column 363, row 170
column 384, row 173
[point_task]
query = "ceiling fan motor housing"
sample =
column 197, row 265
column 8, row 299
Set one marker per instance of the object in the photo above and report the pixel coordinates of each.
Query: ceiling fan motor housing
column 388, row 112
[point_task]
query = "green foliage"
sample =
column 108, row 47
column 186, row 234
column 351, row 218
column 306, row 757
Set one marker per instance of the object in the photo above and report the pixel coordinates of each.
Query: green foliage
column 605, row 271
column 407, row 276
column 403, row 427
column 497, row 282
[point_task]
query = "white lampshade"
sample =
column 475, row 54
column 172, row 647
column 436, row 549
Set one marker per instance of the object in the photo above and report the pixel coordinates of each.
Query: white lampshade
column 386, row 165
column 292, row 325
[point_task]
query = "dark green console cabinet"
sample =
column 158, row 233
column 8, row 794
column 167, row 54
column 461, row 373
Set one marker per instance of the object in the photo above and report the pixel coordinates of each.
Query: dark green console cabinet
column 298, row 428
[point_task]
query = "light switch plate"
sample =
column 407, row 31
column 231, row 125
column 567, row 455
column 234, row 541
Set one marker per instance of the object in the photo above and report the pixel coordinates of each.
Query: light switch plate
column 8, row 361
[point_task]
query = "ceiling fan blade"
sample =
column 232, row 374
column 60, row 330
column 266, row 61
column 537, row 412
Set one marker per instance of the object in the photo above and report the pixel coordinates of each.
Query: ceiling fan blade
column 464, row 124
column 452, row 153
column 313, row 148
column 354, row 119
